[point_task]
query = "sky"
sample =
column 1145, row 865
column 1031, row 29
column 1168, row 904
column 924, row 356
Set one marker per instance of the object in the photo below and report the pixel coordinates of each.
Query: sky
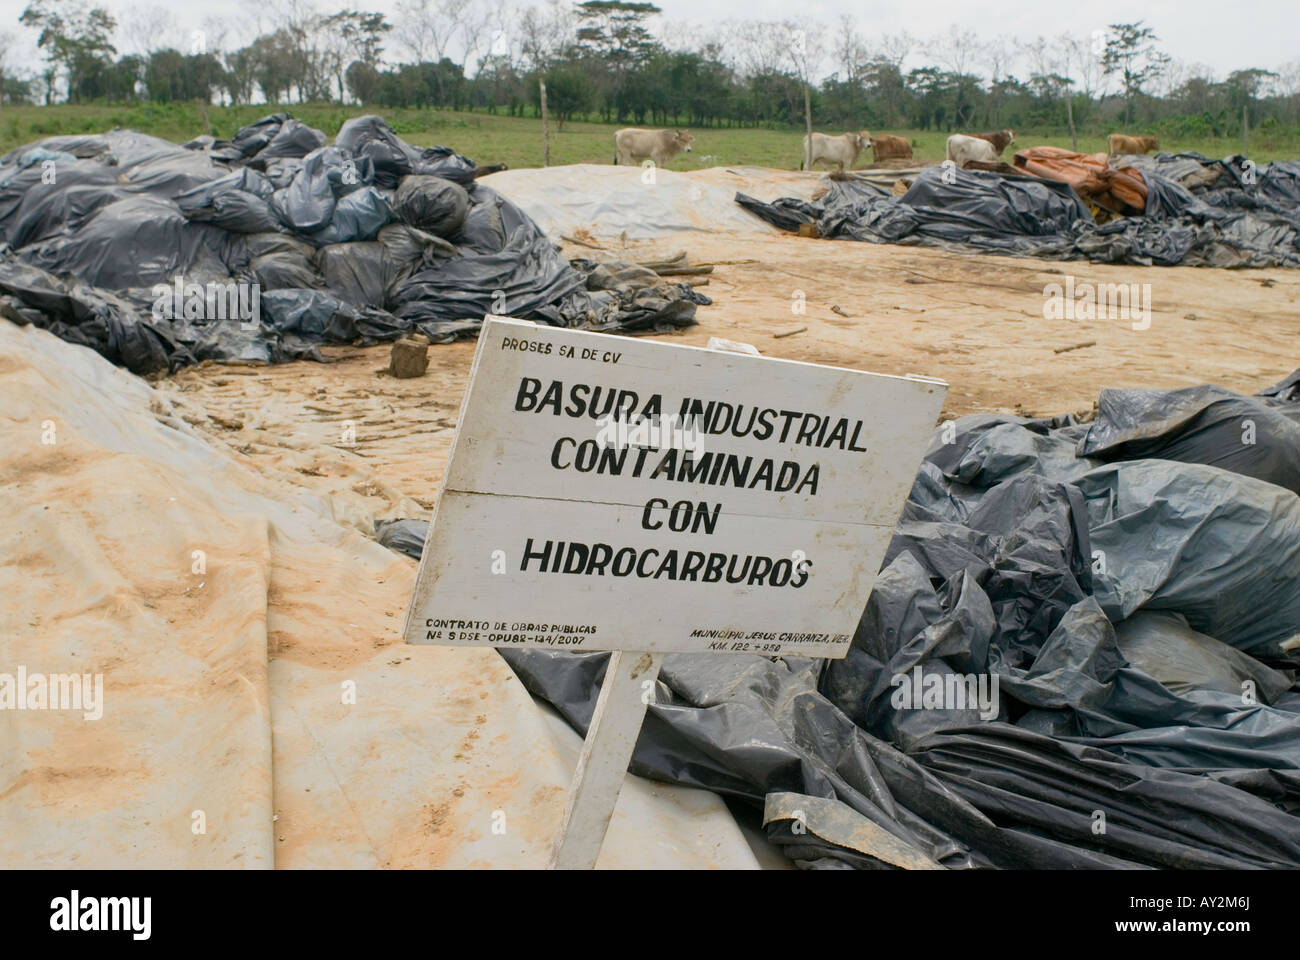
column 1224, row 37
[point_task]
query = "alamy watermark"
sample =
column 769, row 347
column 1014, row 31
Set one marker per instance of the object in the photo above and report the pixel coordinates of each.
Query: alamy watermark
column 927, row 690
column 1098, row 301
column 654, row 432
column 53, row 691
column 75, row 913
column 214, row 300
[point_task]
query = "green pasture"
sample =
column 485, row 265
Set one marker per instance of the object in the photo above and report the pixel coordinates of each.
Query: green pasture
column 517, row 141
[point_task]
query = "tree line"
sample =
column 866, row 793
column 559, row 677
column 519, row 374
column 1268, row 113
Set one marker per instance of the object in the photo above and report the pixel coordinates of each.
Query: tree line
column 604, row 59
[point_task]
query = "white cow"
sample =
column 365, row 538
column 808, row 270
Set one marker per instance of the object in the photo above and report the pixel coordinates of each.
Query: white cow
column 632, row 145
column 842, row 150
column 962, row 149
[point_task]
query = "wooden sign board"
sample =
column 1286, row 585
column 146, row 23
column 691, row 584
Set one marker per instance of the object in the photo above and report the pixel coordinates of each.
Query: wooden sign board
column 736, row 504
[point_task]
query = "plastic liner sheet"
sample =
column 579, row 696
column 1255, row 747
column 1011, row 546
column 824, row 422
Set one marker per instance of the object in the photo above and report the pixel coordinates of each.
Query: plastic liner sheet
column 1198, row 212
column 195, row 708
column 1210, row 425
column 1110, row 611
column 123, row 242
column 1021, row 216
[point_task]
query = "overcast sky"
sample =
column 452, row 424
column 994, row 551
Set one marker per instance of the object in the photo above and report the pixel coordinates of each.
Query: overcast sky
column 1224, row 36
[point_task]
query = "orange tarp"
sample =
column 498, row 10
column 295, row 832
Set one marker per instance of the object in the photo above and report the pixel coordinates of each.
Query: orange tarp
column 1090, row 174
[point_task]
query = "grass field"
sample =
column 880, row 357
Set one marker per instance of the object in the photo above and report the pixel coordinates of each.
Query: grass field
column 517, row 141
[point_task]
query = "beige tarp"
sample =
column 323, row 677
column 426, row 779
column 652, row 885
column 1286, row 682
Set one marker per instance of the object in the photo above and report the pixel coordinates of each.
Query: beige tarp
column 587, row 200
column 227, row 691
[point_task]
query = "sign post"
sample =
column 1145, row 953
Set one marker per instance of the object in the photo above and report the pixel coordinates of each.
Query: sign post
column 605, row 493
column 605, row 755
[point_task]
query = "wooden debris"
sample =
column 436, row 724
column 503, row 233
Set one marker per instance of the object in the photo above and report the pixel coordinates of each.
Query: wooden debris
column 580, row 242
column 1075, row 346
column 674, row 259
column 684, row 271
column 788, row 333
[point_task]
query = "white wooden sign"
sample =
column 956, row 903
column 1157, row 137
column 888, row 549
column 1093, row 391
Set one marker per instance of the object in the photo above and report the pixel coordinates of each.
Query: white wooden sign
column 642, row 497
column 737, row 503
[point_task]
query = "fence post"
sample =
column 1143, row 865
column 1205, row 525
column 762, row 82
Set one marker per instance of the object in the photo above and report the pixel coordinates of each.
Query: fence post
column 546, row 126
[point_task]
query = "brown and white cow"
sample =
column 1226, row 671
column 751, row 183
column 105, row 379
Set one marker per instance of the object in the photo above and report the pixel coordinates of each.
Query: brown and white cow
column 632, row 145
column 1001, row 139
column 1119, row 143
column 886, row 146
column 842, row 150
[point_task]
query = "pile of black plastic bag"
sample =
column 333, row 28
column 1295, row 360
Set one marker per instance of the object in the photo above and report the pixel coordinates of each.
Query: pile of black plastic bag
column 1130, row 582
column 366, row 240
column 1199, row 212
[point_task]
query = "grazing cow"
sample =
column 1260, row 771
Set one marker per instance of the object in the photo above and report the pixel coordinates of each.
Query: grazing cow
column 842, row 150
column 632, row 145
column 886, row 146
column 963, row 149
column 1001, row 139
column 1119, row 143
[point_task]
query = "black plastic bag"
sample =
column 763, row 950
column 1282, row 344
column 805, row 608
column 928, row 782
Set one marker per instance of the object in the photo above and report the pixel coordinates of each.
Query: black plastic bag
column 1197, row 425
column 431, row 204
column 236, row 202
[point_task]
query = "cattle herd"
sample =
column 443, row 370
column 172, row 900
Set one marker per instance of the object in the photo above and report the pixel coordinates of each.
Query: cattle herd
column 633, row 145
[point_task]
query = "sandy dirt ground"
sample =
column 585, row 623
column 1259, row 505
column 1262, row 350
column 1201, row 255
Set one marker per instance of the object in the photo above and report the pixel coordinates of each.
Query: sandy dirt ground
column 975, row 321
